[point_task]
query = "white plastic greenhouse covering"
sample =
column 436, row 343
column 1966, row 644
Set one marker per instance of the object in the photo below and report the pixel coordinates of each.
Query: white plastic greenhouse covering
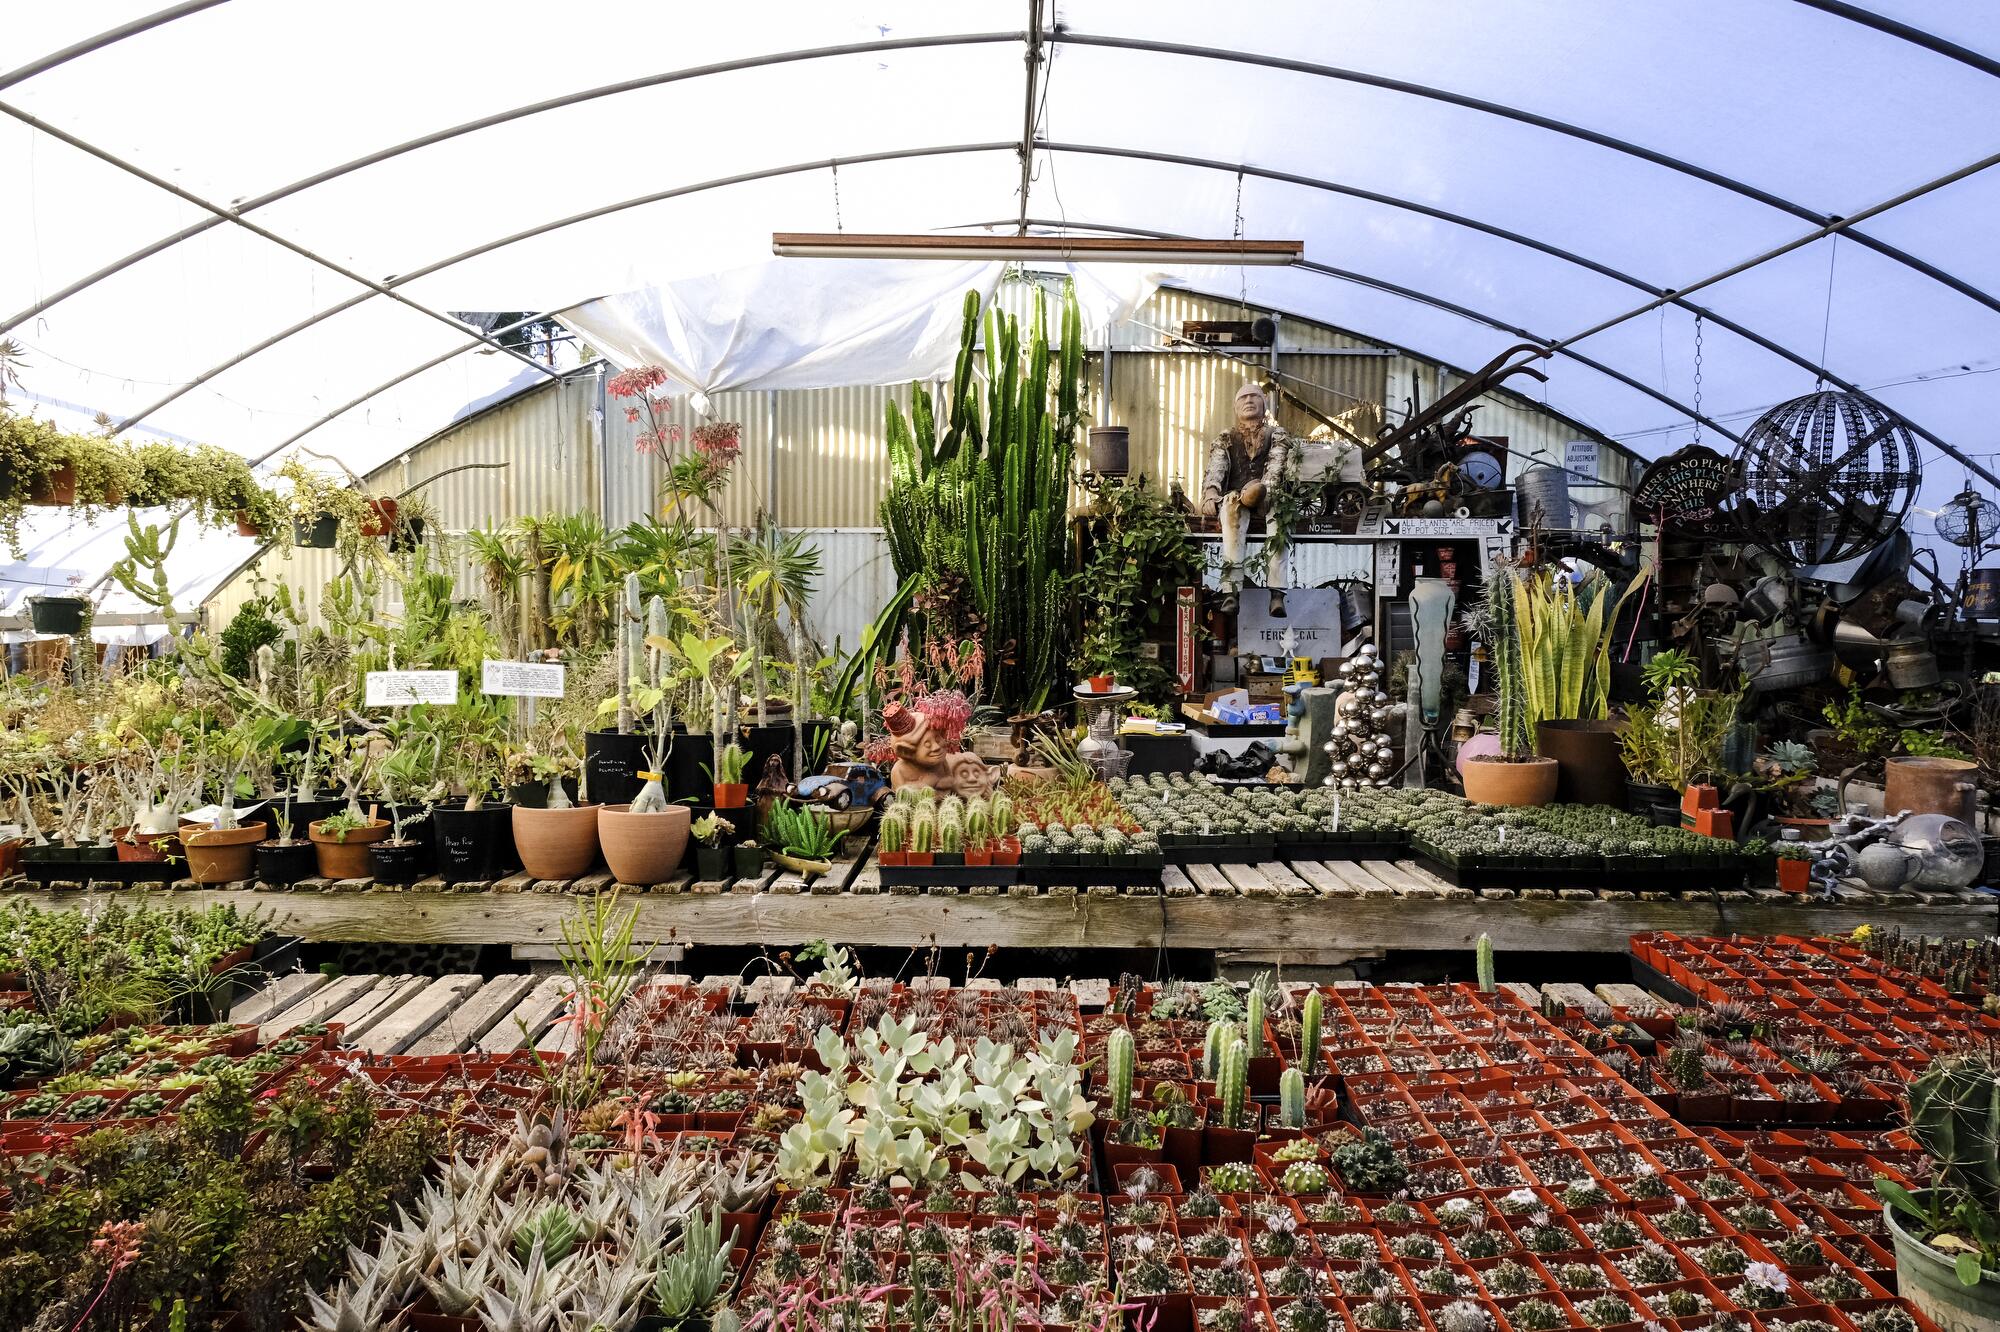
column 241, row 221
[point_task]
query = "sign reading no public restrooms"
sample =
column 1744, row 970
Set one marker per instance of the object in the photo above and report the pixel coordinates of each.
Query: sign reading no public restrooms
column 396, row 689
column 521, row 679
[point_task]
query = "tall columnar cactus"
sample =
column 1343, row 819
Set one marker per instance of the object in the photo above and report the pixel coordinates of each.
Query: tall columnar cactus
column 1292, row 1098
column 1118, row 1067
column 1955, row 1118
column 923, row 829
column 1253, row 1022
column 1231, row 1080
column 1309, row 1028
column 631, row 651
column 1510, row 686
column 1482, row 953
column 1220, row 1033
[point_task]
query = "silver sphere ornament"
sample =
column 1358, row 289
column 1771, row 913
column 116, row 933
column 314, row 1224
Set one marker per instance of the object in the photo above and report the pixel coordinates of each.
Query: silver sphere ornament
column 1378, row 770
column 1381, row 699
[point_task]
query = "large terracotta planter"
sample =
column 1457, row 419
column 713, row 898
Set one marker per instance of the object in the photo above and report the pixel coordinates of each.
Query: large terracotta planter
column 556, row 843
column 1494, row 781
column 1589, row 770
column 642, row 849
column 222, row 857
column 347, row 857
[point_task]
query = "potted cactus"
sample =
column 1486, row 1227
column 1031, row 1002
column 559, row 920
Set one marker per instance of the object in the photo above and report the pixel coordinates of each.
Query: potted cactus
column 711, row 857
column 923, row 833
column 893, row 850
column 950, row 834
column 1232, row 1132
column 978, row 847
column 1947, row 1237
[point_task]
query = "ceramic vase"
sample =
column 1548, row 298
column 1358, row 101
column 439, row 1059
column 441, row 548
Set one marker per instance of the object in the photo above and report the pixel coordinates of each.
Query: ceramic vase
column 1432, row 602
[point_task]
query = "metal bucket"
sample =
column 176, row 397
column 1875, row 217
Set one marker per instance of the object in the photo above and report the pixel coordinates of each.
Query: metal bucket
column 1773, row 664
column 1911, row 664
column 1110, row 450
column 1932, row 786
column 1541, row 495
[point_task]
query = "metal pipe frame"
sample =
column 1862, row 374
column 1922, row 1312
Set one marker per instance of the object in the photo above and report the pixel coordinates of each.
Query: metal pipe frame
column 1310, row 182
column 97, row 41
column 497, row 118
column 1054, row 36
column 228, row 215
column 1554, row 126
column 1448, row 307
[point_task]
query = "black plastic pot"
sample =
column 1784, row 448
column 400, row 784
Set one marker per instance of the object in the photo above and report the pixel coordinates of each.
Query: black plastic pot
column 711, row 863
column 285, row 863
column 97, row 855
column 49, row 851
column 535, row 795
column 399, row 862
column 742, row 822
column 319, row 534
column 748, row 861
column 307, row 812
column 688, row 766
column 475, row 846
column 57, row 615
column 1658, row 805
column 614, row 763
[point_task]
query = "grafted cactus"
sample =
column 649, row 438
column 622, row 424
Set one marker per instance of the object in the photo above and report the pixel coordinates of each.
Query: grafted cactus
column 1118, row 1058
column 1231, row 1080
column 1292, row 1098
column 1309, row 1029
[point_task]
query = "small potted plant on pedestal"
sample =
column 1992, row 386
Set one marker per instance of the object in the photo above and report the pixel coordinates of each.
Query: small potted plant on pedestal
column 711, row 857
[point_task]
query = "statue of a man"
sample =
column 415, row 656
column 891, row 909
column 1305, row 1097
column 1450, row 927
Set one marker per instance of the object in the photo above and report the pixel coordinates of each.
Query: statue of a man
column 1245, row 466
column 921, row 758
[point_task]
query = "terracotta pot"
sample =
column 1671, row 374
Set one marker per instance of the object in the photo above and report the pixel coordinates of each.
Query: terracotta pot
column 1103, row 684
column 732, row 795
column 347, row 858
column 556, row 843
column 383, row 520
column 1589, row 770
column 244, row 527
column 148, row 850
column 1494, row 781
column 225, row 856
column 55, row 488
column 642, row 848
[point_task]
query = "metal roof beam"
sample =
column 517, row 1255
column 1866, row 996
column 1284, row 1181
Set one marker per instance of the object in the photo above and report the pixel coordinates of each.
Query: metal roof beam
column 1541, row 122
column 229, row 215
column 144, row 23
column 522, row 112
column 1929, row 41
column 1011, row 146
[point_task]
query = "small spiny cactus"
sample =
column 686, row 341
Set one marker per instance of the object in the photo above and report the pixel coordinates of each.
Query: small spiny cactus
column 1309, row 1029
column 1292, row 1098
column 1230, row 1082
column 1118, row 1058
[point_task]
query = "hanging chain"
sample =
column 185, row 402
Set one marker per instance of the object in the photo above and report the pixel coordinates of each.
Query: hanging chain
column 1697, row 379
column 1242, row 273
column 836, row 196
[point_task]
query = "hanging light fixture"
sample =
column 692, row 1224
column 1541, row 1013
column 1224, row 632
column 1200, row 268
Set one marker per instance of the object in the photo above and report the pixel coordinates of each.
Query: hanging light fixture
column 1053, row 249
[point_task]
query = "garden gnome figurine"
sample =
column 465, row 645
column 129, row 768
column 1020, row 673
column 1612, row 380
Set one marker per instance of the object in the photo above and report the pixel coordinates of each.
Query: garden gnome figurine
column 1245, row 466
column 921, row 759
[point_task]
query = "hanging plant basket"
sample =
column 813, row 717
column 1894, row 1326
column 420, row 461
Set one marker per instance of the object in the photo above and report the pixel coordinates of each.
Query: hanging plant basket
column 409, row 534
column 244, row 527
column 319, row 534
column 57, row 615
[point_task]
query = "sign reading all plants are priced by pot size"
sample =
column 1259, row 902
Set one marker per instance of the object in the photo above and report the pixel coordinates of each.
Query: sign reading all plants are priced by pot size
column 522, row 679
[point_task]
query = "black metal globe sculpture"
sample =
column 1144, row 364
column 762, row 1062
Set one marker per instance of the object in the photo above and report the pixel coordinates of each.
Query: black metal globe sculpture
column 1971, row 520
column 1827, row 477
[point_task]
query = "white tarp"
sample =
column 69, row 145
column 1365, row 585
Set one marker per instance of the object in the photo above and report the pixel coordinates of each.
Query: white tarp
column 816, row 323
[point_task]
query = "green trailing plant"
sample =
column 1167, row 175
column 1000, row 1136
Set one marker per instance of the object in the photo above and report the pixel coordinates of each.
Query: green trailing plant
column 1138, row 552
column 1292, row 1098
column 1482, row 957
column 976, row 509
column 1118, row 1061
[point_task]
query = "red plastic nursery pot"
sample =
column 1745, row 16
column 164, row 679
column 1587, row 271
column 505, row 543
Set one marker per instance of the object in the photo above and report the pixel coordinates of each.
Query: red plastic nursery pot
column 731, row 795
column 1103, row 684
column 1794, row 876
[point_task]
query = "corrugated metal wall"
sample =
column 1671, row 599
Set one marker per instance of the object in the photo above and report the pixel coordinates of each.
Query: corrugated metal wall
column 815, row 458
